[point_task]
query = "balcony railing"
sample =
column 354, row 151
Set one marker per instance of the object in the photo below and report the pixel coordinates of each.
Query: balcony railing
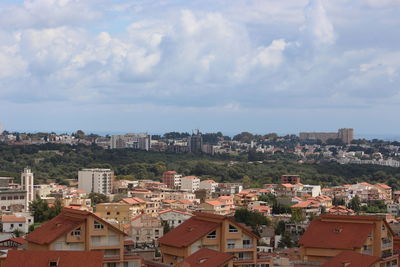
column 367, row 251
column 246, row 246
column 386, row 245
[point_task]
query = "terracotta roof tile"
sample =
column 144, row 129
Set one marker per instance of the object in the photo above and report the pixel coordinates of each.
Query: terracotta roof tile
column 29, row 258
column 12, row 218
column 206, row 257
column 331, row 234
column 53, row 229
column 188, row 232
column 353, row 259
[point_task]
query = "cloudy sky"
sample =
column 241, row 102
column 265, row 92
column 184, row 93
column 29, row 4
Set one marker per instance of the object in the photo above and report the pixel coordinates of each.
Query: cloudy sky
column 230, row 65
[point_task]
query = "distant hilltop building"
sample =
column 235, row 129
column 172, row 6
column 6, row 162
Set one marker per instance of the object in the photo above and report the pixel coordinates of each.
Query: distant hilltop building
column 344, row 134
column 195, row 142
column 137, row 141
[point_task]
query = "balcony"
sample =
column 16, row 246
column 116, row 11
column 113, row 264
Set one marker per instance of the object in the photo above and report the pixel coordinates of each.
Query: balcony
column 246, row 246
column 387, row 244
column 386, row 254
column 367, row 252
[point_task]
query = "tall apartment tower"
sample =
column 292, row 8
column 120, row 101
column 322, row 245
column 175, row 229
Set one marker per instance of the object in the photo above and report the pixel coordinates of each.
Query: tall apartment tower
column 195, row 142
column 96, row 180
column 346, row 134
column 27, row 185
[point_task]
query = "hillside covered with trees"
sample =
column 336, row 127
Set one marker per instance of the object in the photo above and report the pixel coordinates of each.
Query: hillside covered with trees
column 54, row 162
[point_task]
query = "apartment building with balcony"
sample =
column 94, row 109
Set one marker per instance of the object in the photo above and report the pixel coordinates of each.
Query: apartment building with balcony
column 190, row 183
column 330, row 235
column 136, row 205
column 172, row 179
column 83, row 231
column 146, row 229
column 215, row 207
column 118, row 213
column 215, row 232
column 96, row 180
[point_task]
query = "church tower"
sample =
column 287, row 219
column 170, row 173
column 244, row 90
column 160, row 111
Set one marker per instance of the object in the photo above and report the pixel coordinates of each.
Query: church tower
column 27, row 185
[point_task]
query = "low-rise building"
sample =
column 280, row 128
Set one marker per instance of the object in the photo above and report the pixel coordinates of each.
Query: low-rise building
column 174, row 217
column 330, row 235
column 18, row 222
column 216, row 232
column 146, row 229
column 82, row 231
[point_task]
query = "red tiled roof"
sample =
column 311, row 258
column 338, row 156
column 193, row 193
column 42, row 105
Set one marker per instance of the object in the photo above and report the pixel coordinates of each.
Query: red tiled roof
column 29, row 258
column 133, row 200
column 66, row 221
column 50, row 231
column 384, row 186
column 330, row 234
column 188, row 232
column 206, row 257
column 12, row 218
column 213, row 202
column 351, row 259
column 191, row 177
column 19, row 240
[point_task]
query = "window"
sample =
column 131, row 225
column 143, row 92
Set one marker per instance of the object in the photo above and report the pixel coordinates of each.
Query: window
column 3, row 207
column 53, row 263
column 20, row 225
column 117, row 212
column 21, row 197
column 3, row 198
column 12, row 225
column 212, row 235
column 98, row 226
column 76, row 232
column 231, row 244
column 9, row 198
column 15, row 197
column 108, row 213
column 232, row 229
column 247, row 243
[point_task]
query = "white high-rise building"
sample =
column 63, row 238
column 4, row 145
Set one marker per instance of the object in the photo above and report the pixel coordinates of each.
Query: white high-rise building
column 96, row 180
column 137, row 141
column 190, row 183
column 27, row 185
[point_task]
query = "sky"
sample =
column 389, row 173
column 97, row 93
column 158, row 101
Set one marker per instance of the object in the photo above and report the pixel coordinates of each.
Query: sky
column 216, row 65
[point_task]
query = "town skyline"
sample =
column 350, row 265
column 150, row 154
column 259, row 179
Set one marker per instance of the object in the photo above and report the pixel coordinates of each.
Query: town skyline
column 152, row 66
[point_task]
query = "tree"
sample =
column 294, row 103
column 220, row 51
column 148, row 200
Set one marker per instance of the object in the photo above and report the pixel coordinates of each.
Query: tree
column 246, row 181
column 97, row 198
column 17, row 233
column 166, row 227
column 297, row 215
column 280, row 228
column 355, row 204
column 251, row 218
column 41, row 210
column 286, row 241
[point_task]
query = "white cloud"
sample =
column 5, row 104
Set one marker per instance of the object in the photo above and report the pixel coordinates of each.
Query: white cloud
column 318, row 24
column 244, row 55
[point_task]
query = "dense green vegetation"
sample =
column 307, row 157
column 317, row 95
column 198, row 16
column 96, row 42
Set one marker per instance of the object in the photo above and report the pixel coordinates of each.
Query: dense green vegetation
column 52, row 162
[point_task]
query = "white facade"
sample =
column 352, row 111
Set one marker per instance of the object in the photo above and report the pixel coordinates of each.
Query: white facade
column 137, row 141
column 313, row 190
column 96, row 180
column 209, row 185
column 27, row 185
column 19, row 222
column 173, row 217
column 190, row 183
